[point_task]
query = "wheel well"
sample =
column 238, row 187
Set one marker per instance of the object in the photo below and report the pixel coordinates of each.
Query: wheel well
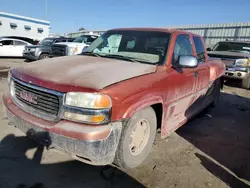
column 158, row 112
column 44, row 53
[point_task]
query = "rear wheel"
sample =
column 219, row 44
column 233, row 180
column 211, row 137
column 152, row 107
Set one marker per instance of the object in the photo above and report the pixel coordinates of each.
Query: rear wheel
column 44, row 56
column 137, row 139
column 245, row 83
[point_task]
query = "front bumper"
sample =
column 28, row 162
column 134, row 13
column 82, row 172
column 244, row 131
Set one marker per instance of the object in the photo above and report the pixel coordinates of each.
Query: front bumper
column 30, row 56
column 236, row 73
column 64, row 135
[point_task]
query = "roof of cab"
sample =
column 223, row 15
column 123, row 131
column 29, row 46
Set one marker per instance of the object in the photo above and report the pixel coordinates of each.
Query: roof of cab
column 152, row 29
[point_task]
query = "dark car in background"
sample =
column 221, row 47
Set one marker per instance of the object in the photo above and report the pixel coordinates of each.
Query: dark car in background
column 43, row 49
column 236, row 57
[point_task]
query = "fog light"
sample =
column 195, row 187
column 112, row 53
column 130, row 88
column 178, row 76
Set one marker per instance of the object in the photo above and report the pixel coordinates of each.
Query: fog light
column 84, row 118
column 239, row 74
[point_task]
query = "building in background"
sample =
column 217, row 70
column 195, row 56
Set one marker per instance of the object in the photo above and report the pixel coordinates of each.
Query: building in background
column 212, row 33
column 14, row 25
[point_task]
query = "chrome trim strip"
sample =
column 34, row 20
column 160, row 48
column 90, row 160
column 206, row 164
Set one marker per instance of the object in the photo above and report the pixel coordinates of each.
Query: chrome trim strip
column 38, row 88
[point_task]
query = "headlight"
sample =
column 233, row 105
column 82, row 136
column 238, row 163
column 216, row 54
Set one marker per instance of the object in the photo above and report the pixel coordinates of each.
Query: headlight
column 88, row 100
column 32, row 49
column 72, row 50
column 91, row 108
column 242, row 62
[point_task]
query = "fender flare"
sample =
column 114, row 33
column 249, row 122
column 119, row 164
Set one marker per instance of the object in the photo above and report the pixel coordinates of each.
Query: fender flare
column 149, row 101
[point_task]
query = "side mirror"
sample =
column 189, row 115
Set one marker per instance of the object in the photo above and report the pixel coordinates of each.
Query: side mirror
column 209, row 49
column 187, row 62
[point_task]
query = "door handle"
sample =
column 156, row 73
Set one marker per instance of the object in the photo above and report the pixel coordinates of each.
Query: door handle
column 196, row 74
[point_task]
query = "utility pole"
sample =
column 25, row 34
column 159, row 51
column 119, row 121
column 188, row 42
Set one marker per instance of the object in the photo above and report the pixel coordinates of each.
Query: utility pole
column 46, row 9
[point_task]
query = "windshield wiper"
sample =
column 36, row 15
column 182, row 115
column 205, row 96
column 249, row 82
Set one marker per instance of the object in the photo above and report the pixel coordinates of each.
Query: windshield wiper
column 91, row 54
column 121, row 57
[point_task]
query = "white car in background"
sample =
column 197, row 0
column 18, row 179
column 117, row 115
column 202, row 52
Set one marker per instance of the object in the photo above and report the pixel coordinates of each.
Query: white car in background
column 12, row 47
column 72, row 48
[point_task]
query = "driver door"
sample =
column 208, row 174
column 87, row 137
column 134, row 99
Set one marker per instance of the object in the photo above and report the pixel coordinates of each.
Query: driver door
column 7, row 48
column 181, row 83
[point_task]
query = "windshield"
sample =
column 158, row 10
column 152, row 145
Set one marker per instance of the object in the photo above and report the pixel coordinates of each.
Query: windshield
column 232, row 46
column 46, row 42
column 142, row 46
column 87, row 39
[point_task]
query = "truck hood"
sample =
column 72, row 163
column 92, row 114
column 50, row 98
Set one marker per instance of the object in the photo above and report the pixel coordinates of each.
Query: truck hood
column 227, row 54
column 78, row 72
column 72, row 44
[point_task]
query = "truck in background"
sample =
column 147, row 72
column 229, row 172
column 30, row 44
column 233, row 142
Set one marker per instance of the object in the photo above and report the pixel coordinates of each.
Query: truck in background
column 43, row 49
column 236, row 57
column 73, row 48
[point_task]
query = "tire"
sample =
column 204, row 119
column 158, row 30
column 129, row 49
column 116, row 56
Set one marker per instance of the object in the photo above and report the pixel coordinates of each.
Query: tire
column 216, row 93
column 126, row 157
column 245, row 83
column 44, row 56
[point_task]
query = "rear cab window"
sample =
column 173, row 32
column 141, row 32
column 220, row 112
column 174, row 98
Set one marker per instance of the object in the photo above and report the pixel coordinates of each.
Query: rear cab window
column 200, row 50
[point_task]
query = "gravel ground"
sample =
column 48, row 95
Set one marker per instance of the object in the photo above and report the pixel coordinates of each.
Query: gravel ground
column 212, row 150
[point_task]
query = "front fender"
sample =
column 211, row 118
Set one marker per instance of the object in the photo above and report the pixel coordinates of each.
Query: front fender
column 148, row 101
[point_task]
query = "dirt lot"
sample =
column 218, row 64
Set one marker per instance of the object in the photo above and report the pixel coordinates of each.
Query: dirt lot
column 213, row 150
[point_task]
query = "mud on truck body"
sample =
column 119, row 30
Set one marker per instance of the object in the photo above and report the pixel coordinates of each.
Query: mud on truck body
column 104, row 106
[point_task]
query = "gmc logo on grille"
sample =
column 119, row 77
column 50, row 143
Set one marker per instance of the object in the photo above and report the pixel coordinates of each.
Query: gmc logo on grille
column 30, row 97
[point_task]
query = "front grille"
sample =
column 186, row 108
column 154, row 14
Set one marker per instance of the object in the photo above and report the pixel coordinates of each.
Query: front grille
column 228, row 62
column 40, row 101
column 58, row 50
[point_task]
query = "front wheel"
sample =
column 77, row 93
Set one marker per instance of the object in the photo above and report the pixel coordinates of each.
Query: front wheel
column 245, row 83
column 44, row 56
column 137, row 139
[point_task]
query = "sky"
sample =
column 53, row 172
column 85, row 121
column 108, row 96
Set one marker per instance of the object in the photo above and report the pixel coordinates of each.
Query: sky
column 68, row 16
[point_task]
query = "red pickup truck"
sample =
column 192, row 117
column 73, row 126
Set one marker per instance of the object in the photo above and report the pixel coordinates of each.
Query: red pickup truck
column 105, row 105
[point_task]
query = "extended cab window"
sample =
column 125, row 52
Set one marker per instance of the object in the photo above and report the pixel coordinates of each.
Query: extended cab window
column 142, row 46
column 199, row 49
column 182, row 47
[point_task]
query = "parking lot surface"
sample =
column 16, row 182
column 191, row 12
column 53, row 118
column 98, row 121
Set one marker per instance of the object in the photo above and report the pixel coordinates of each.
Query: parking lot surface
column 212, row 150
